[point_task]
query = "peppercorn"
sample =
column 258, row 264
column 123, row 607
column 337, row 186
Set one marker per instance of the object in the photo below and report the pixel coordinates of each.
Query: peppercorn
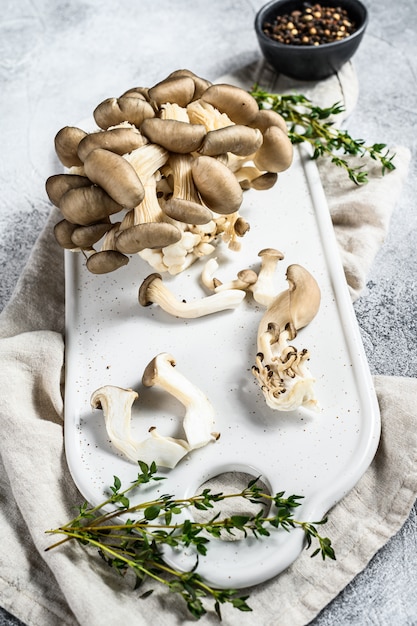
column 313, row 25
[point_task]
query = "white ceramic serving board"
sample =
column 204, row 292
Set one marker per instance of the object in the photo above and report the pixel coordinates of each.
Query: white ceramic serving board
column 111, row 338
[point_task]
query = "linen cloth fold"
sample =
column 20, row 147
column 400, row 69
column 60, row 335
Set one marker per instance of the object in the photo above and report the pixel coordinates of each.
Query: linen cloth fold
column 72, row 586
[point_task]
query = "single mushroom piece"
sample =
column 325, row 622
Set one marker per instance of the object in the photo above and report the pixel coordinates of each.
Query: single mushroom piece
column 116, row 404
column 116, row 176
column 87, row 205
column 217, row 185
column 108, row 259
column 174, row 135
column 249, row 177
column 237, row 103
column 184, row 205
column 200, row 84
column 57, row 184
column 121, row 140
column 276, row 151
column 63, row 232
column 268, row 117
column 280, row 369
column 114, row 111
column 86, row 236
column 238, row 139
column 66, row 145
column 179, row 89
column 264, row 290
column 152, row 235
column 153, row 290
column 198, row 420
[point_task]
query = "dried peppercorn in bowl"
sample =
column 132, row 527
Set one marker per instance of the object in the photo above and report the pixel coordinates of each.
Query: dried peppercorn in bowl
column 310, row 40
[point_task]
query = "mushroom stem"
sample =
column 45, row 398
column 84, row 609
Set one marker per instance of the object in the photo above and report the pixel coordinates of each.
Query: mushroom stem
column 198, row 420
column 153, row 290
column 264, row 289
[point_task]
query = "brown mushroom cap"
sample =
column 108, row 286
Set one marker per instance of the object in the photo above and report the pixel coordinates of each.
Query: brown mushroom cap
column 272, row 253
column 217, row 185
column 276, row 151
column 63, row 231
column 118, row 140
column 187, row 211
column 87, row 236
column 66, row 145
column 174, row 135
column 269, row 117
column 178, row 89
column 106, row 261
column 113, row 111
column 87, row 205
column 147, row 235
column 143, row 296
column 237, row 103
column 116, row 176
column 201, row 84
column 58, row 184
column 238, row 139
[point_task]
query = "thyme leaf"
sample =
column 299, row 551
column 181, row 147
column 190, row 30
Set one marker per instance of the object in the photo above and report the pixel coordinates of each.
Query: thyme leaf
column 135, row 544
column 311, row 124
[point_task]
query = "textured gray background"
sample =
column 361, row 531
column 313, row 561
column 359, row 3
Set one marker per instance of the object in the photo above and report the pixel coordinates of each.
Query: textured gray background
column 59, row 59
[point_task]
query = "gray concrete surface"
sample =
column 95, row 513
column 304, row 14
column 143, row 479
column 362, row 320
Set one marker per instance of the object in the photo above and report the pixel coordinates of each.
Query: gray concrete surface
column 97, row 51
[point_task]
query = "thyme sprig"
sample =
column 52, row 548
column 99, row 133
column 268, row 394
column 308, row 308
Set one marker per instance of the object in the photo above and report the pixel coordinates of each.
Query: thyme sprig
column 136, row 544
column 310, row 123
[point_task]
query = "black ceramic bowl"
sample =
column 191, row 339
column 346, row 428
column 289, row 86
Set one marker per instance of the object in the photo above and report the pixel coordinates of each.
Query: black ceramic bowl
column 308, row 62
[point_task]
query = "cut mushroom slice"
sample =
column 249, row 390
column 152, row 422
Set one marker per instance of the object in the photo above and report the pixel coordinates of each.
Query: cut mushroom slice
column 280, row 369
column 154, row 291
column 198, row 420
column 116, row 404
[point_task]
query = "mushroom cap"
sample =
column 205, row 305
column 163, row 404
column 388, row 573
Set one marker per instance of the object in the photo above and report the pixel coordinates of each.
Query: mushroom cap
column 187, row 211
column 174, row 135
column 143, row 295
column 200, row 84
column 87, row 236
column 237, row 103
column 87, row 205
column 276, row 151
column 217, row 185
column 248, row 276
column 265, row 181
column 106, row 261
column 58, row 184
column 66, row 144
column 178, row 89
column 113, row 111
column 116, row 176
column 272, row 253
column 269, row 117
column 118, row 140
column 238, row 139
column 147, row 235
column 63, row 231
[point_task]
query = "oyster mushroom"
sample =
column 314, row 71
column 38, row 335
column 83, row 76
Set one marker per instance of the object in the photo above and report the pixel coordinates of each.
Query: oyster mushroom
column 66, row 145
column 177, row 88
column 121, row 140
column 86, row 205
column 174, row 135
column 153, row 290
column 238, row 139
column 217, row 185
column 57, row 184
column 264, row 289
column 198, row 420
column 114, row 111
column 280, row 369
column 116, row 176
column 116, row 404
column 237, row 103
column 276, row 151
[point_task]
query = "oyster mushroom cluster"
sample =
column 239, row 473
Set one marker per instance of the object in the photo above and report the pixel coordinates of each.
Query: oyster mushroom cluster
column 164, row 172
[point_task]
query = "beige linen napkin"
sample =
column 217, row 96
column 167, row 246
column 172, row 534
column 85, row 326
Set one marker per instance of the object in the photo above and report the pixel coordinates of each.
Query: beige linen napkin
column 72, row 586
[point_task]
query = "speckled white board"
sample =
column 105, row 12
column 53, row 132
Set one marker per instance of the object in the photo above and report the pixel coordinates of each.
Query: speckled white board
column 111, row 338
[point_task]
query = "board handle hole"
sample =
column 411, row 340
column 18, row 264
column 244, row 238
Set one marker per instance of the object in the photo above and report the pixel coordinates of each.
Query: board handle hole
column 232, row 483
